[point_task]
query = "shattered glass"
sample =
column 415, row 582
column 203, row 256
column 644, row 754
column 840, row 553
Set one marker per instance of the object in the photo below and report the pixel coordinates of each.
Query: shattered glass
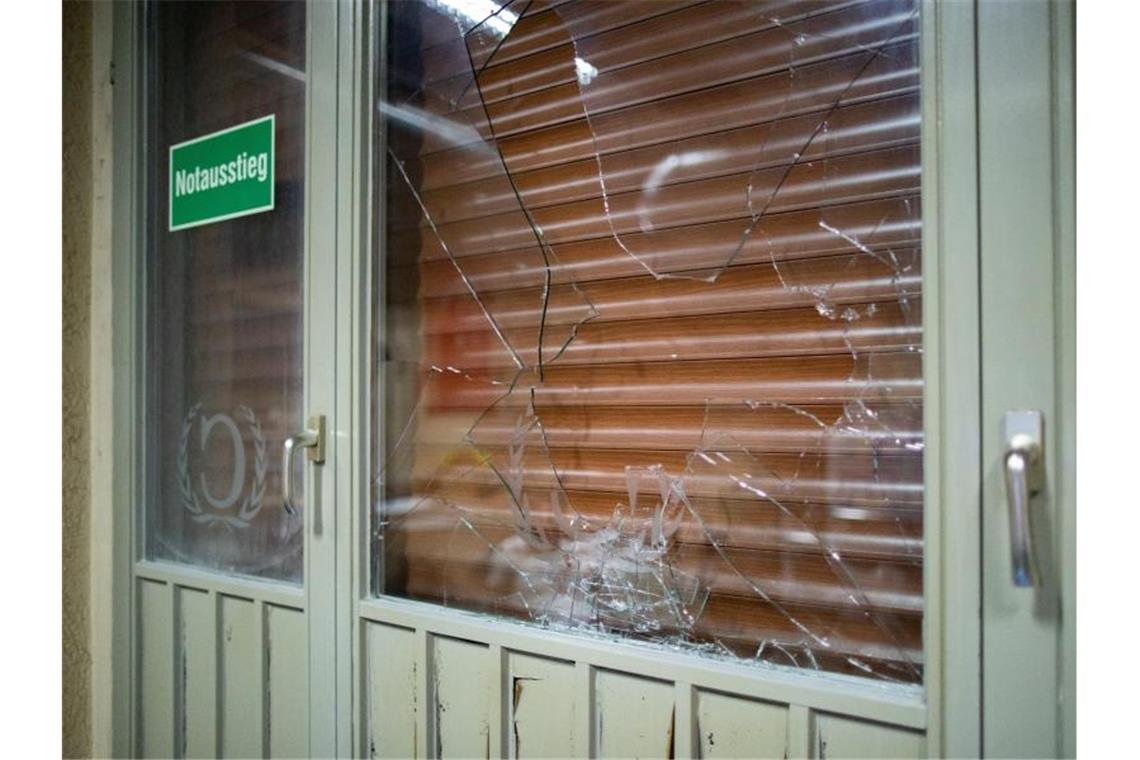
column 648, row 339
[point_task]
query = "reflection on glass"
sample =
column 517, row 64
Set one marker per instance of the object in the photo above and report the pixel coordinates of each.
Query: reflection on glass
column 224, row 326
column 648, row 357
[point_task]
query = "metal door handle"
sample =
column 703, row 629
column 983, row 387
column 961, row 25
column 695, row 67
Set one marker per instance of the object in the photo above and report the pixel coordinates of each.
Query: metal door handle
column 1022, row 432
column 313, row 440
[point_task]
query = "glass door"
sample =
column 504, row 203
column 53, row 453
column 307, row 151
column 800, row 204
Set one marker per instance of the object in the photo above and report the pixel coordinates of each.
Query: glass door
column 234, row 591
column 649, row 385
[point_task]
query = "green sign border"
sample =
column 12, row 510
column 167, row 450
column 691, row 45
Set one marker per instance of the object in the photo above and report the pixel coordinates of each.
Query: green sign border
column 272, row 119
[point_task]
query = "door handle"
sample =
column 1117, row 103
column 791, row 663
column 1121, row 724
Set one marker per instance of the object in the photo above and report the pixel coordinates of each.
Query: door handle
column 1024, row 478
column 312, row 439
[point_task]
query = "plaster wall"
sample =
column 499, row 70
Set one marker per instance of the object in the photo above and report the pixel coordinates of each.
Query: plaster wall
column 77, row 176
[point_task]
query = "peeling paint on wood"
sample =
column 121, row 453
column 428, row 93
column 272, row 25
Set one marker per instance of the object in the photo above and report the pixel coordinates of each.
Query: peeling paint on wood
column 200, row 673
column 241, row 684
column 735, row 727
column 634, row 716
column 841, row 737
column 287, row 687
column 543, row 707
column 392, row 691
column 463, row 674
column 156, row 705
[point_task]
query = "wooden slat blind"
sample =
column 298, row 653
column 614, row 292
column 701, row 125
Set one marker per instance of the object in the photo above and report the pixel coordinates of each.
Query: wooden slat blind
column 650, row 335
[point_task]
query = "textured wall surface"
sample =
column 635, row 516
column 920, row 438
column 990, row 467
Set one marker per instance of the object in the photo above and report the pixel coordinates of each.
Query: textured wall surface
column 77, row 194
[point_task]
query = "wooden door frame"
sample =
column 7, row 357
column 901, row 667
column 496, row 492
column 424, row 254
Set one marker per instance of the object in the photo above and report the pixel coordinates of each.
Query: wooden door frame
column 951, row 705
column 947, row 706
column 126, row 467
column 1026, row 90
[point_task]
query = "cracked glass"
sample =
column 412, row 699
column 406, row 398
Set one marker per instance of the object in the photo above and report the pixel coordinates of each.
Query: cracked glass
column 647, row 320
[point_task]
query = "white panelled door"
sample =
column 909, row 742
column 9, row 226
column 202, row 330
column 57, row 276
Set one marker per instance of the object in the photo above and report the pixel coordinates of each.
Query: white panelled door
column 603, row 379
column 233, row 583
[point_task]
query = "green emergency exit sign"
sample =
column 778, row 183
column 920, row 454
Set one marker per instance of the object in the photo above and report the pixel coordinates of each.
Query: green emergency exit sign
column 222, row 175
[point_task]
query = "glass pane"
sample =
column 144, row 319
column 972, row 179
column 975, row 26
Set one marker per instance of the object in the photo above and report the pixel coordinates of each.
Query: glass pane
column 224, row 325
column 648, row 329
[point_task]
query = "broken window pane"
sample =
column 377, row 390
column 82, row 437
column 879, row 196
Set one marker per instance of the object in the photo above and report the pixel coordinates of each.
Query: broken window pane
column 648, row 349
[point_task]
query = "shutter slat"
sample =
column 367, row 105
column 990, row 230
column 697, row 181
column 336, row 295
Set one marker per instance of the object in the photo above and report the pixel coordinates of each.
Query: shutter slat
column 859, row 31
column 891, row 532
column 851, row 179
column 716, row 109
column 885, row 226
column 539, row 29
column 644, row 36
column 839, row 279
column 786, row 577
column 858, row 128
column 885, row 326
column 854, row 479
column 793, row 379
column 681, row 428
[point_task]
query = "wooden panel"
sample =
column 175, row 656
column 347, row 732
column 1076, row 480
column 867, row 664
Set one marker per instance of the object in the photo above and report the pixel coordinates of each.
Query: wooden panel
column 634, row 716
column 391, row 698
column 242, row 655
column 543, row 707
column 287, row 684
column 841, row 737
column 156, row 662
column 198, row 614
column 463, row 678
column 728, row 726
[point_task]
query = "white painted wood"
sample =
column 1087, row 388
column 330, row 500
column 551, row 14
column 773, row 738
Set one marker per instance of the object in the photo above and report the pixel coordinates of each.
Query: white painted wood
column 240, row 695
column 563, row 707
column 498, row 710
column 156, row 662
column 273, row 592
column 159, row 692
column 885, row 703
column 799, row 732
column 101, row 407
column 733, row 727
column 425, row 693
column 951, row 376
column 633, row 716
column 543, row 708
column 461, row 685
column 584, row 694
column 835, row 736
column 328, row 531
column 196, row 681
column 287, row 682
column 685, row 727
column 1027, row 294
column 393, row 701
column 199, row 672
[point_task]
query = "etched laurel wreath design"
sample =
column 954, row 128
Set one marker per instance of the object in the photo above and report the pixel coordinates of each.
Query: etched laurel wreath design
column 252, row 503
